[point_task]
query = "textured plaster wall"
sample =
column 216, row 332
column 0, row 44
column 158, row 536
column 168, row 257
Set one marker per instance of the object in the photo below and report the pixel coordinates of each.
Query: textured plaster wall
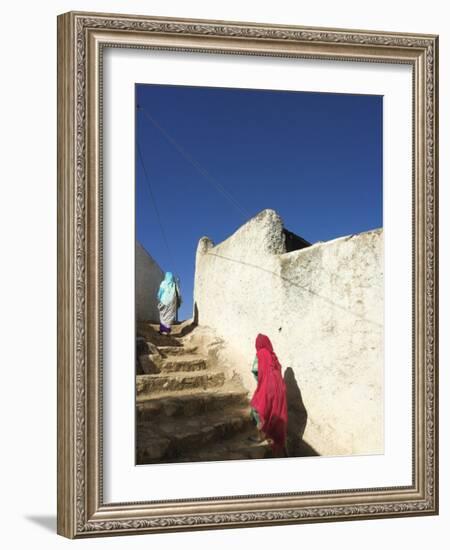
column 322, row 307
column 148, row 278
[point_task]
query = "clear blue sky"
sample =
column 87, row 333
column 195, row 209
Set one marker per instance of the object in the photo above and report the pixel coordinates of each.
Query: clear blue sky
column 315, row 158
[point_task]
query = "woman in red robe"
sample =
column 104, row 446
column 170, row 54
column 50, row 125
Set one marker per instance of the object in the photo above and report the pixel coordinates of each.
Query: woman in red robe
column 269, row 400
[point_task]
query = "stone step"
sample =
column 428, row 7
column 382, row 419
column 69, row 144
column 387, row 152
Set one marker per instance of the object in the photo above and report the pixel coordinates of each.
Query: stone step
column 150, row 333
column 163, row 340
column 168, row 351
column 239, row 447
column 182, row 364
column 144, row 347
column 189, row 404
column 148, row 384
column 178, row 330
column 173, row 439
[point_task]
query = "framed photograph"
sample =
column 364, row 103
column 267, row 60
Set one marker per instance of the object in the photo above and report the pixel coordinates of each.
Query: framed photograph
column 247, row 274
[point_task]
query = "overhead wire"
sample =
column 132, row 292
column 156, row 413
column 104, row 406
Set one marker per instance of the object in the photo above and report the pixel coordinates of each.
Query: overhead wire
column 155, row 205
column 188, row 157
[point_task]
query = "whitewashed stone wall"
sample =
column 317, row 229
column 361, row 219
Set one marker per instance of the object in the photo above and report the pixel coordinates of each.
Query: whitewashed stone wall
column 322, row 307
column 148, row 278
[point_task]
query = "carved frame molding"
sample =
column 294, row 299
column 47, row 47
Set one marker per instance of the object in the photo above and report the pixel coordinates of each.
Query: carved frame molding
column 81, row 39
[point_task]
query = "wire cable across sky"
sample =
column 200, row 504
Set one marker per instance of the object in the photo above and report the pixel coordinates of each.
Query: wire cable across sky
column 193, row 162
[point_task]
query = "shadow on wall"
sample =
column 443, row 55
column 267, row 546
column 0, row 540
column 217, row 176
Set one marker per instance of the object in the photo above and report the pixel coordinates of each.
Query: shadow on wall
column 189, row 325
column 297, row 418
column 195, row 317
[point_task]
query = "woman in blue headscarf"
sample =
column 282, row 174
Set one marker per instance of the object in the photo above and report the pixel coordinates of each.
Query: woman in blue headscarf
column 169, row 300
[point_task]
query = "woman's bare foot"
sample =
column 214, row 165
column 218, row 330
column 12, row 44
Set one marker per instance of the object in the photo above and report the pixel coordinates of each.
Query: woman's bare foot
column 259, row 438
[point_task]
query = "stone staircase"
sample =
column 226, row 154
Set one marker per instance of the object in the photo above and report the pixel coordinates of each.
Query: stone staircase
column 188, row 408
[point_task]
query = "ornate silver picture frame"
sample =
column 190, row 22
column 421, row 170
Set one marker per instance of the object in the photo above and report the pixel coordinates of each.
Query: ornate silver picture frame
column 82, row 40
